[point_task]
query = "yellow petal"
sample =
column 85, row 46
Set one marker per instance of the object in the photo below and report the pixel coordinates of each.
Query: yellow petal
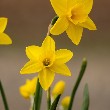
column 88, row 5
column 60, row 26
column 46, row 78
column 3, row 23
column 48, row 44
column 61, row 69
column 31, row 67
column 33, row 52
column 74, row 32
column 5, row 39
column 89, row 24
column 60, row 6
column 63, row 56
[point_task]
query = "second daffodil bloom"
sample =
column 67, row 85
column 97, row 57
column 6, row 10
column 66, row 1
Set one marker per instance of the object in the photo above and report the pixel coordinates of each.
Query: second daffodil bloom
column 73, row 17
column 28, row 89
column 4, row 38
column 46, row 61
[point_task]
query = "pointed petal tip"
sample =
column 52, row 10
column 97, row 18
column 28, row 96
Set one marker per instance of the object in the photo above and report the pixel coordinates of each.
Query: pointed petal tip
column 21, row 71
column 76, row 43
column 95, row 28
column 70, row 74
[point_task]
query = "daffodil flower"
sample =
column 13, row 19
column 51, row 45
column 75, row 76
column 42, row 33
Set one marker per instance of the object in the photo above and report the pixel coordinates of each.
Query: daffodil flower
column 58, row 89
column 28, row 89
column 4, row 38
column 73, row 17
column 65, row 102
column 46, row 61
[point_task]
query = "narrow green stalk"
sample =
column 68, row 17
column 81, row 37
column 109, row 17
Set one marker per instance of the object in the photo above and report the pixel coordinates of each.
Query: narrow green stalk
column 48, row 99
column 38, row 97
column 83, row 67
column 3, row 96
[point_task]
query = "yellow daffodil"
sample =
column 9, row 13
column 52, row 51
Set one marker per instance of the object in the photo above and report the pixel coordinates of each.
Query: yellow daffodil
column 73, row 17
column 65, row 102
column 28, row 89
column 4, row 38
column 58, row 88
column 46, row 61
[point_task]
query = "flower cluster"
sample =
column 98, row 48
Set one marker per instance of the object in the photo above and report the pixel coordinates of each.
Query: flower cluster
column 46, row 60
column 72, row 17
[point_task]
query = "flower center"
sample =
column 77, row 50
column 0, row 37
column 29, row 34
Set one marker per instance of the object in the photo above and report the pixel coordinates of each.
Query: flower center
column 46, row 62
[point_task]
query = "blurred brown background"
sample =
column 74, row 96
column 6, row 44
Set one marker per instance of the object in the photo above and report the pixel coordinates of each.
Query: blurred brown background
column 27, row 25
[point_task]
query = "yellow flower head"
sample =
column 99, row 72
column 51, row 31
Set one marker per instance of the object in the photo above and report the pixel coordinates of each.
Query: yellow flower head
column 58, row 88
column 65, row 102
column 4, row 38
column 28, row 89
column 73, row 17
column 47, row 61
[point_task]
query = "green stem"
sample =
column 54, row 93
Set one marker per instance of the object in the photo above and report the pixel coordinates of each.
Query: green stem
column 3, row 97
column 83, row 67
column 38, row 97
column 48, row 99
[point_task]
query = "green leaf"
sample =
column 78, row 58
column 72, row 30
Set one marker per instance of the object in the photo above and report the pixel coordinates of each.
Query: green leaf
column 3, row 97
column 85, row 105
column 82, row 71
column 54, row 104
column 38, row 97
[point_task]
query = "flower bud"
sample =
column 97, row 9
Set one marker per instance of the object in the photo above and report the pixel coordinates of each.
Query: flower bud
column 65, row 102
column 58, row 89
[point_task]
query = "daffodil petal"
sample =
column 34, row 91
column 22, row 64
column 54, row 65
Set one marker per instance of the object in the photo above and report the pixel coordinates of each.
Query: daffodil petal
column 5, row 39
column 89, row 24
column 3, row 23
column 33, row 52
column 46, row 78
column 63, row 56
column 31, row 67
column 88, row 5
column 61, row 69
column 74, row 32
column 48, row 44
column 60, row 26
column 60, row 6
